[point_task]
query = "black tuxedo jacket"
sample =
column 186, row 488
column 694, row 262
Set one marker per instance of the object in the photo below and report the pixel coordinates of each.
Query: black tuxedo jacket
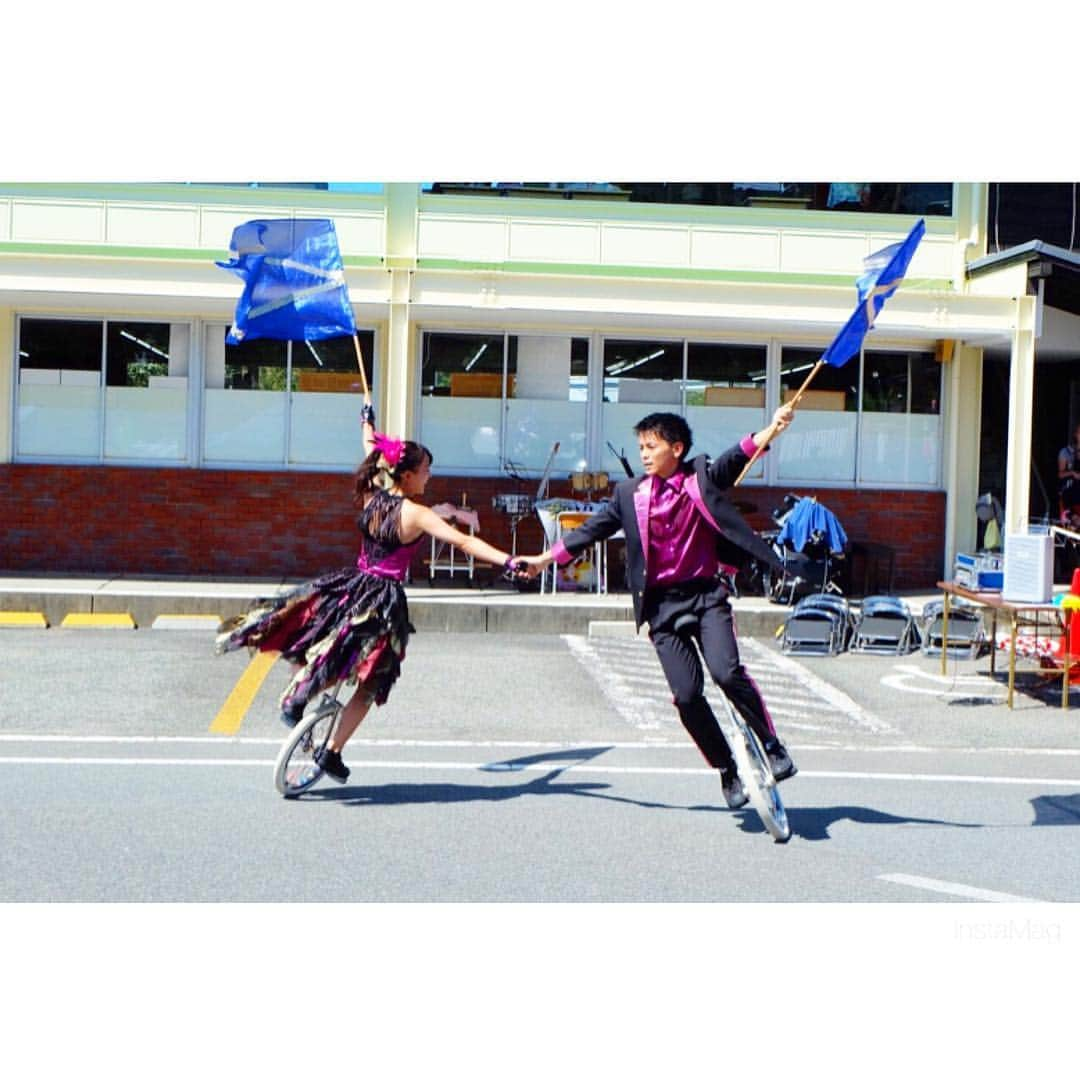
column 629, row 509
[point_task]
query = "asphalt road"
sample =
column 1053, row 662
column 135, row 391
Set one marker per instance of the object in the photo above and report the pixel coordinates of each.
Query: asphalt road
column 522, row 768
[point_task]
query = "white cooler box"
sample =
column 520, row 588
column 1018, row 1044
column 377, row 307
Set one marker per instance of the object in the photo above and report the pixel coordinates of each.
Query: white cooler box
column 1029, row 568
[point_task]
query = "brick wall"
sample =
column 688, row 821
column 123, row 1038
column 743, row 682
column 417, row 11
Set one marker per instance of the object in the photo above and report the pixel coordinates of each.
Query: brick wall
column 241, row 523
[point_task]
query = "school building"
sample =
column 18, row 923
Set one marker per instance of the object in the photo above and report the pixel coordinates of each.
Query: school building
column 512, row 328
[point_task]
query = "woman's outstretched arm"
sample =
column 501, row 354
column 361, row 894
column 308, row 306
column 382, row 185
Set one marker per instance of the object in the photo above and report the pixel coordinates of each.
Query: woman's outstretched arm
column 417, row 519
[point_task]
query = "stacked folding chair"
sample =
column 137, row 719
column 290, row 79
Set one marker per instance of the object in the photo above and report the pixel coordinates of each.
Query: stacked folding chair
column 967, row 635
column 884, row 625
column 819, row 625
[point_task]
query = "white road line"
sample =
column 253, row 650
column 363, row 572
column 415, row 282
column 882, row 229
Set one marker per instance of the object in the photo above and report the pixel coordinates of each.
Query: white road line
column 993, row 693
column 941, row 778
column 911, row 749
column 545, row 767
column 639, row 693
column 680, row 743
column 946, row 680
column 359, row 764
column 952, row 888
column 836, row 698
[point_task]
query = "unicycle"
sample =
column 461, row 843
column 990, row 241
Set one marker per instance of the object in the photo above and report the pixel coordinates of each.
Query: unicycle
column 756, row 774
column 750, row 757
column 296, row 769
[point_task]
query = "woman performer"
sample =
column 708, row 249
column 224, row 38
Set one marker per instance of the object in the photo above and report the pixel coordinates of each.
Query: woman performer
column 354, row 622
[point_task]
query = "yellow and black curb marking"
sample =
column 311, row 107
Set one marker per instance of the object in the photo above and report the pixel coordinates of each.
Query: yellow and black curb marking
column 81, row 620
column 23, row 619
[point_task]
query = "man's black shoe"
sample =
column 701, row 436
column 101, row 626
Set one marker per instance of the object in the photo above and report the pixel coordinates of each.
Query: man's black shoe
column 779, row 760
column 330, row 762
column 291, row 715
column 734, row 792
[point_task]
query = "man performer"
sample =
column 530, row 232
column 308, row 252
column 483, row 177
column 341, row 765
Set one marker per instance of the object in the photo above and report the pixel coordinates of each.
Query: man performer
column 683, row 538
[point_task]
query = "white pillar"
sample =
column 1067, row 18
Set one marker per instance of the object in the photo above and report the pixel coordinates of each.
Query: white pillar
column 1021, row 381
column 963, row 377
column 400, row 375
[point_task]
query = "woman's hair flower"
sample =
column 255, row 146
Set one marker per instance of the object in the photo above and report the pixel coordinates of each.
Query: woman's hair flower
column 391, row 449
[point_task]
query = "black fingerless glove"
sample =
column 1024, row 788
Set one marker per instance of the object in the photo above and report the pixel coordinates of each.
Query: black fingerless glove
column 367, row 414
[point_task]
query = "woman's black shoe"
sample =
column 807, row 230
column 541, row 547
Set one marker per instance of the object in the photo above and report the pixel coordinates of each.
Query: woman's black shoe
column 330, row 762
column 734, row 792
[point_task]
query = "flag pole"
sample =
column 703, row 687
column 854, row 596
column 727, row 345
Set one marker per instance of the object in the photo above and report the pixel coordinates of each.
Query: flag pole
column 360, row 365
column 770, row 431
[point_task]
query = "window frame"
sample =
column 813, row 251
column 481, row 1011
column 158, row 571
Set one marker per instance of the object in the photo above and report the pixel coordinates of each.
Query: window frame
column 99, row 457
column 773, row 347
column 205, row 327
column 194, row 456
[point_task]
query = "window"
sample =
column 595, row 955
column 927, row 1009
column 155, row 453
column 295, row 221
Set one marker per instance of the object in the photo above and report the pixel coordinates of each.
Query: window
column 721, row 392
column 821, row 446
column 900, row 434
column 640, row 377
column 490, row 402
column 59, row 410
column 461, row 382
column 725, row 395
column 549, row 377
column 890, row 434
column 146, row 390
column 67, row 409
column 865, row 197
column 281, row 402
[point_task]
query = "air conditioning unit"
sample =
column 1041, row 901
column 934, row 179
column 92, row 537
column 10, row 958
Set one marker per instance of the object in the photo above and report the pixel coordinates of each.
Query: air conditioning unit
column 1029, row 568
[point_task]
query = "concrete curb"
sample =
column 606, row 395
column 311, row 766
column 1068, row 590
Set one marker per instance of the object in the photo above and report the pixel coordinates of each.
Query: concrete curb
column 458, row 610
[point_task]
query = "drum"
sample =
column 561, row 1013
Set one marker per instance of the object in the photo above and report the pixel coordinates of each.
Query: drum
column 515, row 504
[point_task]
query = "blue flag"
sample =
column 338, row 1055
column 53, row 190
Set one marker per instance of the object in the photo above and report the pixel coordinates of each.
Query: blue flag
column 884, row 271
column 294, row 283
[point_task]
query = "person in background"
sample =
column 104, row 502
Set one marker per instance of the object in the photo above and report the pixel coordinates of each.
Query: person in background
column 1069, row 478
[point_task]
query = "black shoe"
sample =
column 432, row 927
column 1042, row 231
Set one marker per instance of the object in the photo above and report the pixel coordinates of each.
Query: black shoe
column 330, row 762
column 779, row 760
column 291, row 715
column 734, row 792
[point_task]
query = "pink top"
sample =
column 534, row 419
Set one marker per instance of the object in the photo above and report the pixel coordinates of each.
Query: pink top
column 395, row 565
column 381, row 551
column 681, row 539
column 682, row 545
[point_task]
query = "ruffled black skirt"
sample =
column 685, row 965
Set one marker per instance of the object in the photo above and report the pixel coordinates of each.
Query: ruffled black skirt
column 348, row 624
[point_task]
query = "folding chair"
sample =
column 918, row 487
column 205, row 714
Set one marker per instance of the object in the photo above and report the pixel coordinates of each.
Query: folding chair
column 820, row 625
column 884, row 625
column 967, row 636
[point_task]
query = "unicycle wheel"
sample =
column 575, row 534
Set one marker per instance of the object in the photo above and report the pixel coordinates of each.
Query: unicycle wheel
column 296, row 769
column 756, row 772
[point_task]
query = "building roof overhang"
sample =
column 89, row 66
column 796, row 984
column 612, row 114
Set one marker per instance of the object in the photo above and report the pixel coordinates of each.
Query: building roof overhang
column 1057, row 268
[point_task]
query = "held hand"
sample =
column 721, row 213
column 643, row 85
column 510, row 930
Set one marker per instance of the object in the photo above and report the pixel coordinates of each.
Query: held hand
column 532, row 565
column 367, row 414
column 782, row 418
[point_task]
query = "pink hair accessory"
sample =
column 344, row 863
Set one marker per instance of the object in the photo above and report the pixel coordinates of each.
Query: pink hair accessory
column 391, row 449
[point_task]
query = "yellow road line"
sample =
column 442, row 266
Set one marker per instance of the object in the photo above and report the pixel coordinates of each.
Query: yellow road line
column 231, row 716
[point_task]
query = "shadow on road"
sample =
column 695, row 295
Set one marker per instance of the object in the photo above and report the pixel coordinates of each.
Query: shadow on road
column 398, row 794
column 812, row 823
column 1056, row 810
column 809, row 823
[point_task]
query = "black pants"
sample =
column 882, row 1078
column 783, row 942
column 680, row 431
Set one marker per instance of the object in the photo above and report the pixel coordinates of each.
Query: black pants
column 715, row 634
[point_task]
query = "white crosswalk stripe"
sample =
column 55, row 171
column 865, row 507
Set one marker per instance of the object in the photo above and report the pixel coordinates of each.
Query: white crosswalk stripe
column 629, row 675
